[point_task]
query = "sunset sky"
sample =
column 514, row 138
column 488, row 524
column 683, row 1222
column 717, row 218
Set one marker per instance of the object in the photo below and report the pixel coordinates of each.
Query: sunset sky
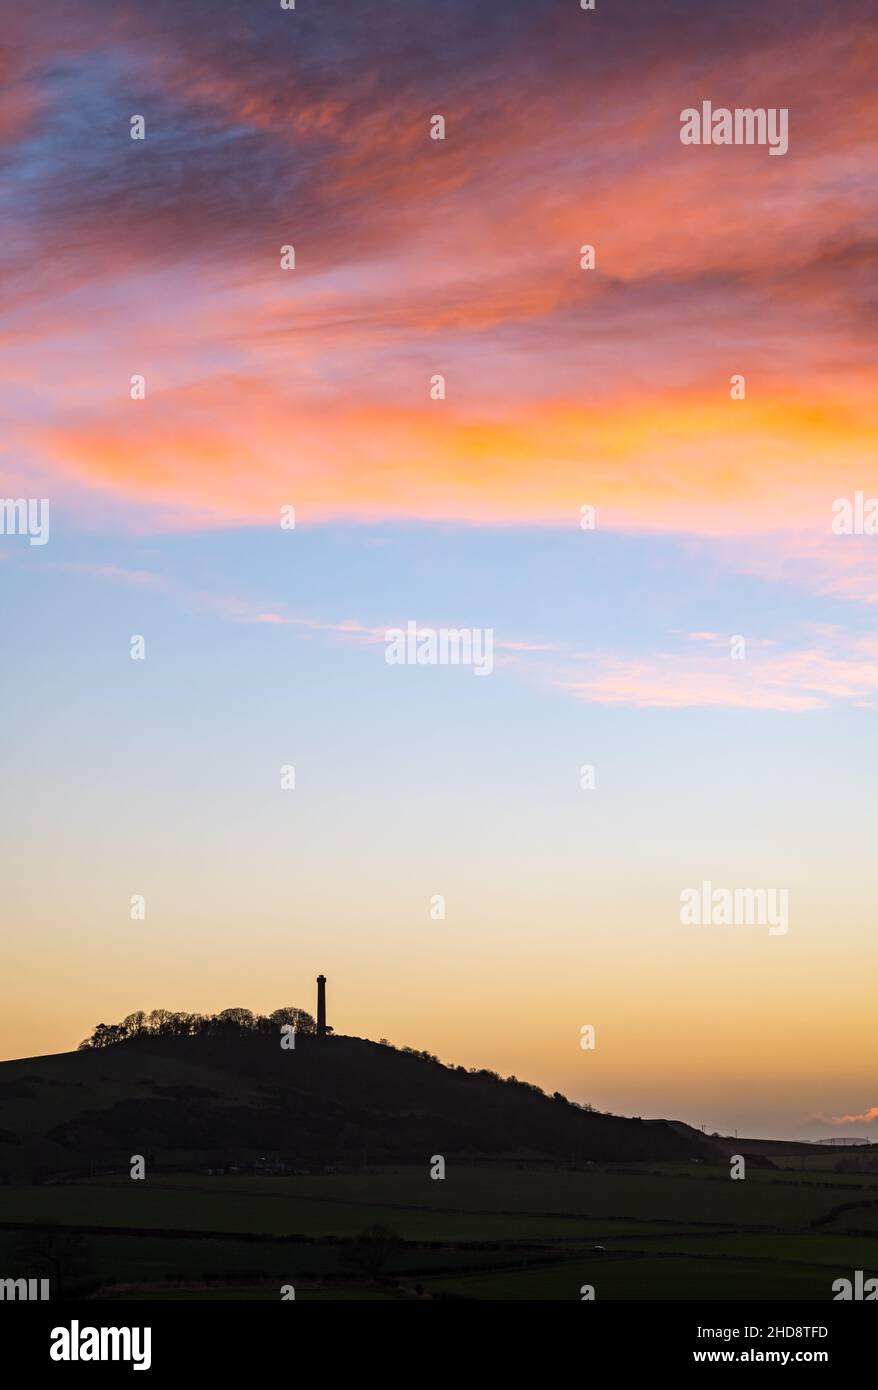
column 565, row 388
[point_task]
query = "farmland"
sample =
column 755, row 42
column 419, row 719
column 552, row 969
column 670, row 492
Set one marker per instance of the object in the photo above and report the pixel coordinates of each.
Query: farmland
column 495, row 1232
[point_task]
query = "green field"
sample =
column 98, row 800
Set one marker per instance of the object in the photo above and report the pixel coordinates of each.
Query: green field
column 485, row 1232
column 658, row 1277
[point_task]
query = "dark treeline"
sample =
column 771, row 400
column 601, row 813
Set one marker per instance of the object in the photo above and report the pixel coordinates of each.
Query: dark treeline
column 161, row 1023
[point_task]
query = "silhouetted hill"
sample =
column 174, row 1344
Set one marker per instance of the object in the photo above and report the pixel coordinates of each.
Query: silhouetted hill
column 242, row 1100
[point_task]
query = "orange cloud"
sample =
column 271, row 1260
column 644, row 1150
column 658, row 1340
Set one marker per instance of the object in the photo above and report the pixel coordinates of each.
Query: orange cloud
column 867, row 1117
column 240, row 448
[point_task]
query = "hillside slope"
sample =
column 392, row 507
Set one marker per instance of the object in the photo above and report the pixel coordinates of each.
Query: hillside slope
column 191, row 1102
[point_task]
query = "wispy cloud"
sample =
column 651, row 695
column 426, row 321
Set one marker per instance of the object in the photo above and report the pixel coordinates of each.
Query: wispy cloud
column 794, row 680
column 866, row 1118
column 696, row 670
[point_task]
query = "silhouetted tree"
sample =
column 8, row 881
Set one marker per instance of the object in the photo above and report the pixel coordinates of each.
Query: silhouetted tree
column 298, row 1018
column 60, row 1256
column 161, row 1023
column 238, row 1018
column 372, row 1248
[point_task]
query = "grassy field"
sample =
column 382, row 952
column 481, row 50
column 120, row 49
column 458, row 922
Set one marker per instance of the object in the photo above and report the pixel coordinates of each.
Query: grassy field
column 470, row 1205
column 498, row 1232
column 650, row 1278
column 255, row 1294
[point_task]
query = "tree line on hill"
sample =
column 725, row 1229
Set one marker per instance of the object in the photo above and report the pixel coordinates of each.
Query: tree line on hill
column 162, row 1023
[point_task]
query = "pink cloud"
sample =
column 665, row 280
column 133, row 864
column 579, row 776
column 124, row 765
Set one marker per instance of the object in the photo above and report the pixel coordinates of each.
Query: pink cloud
column 791, row 680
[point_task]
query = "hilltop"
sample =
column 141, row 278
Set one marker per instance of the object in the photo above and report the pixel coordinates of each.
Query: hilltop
column 237, row 1099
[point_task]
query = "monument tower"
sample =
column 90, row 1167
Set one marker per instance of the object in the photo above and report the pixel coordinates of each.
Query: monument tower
column 321, row 1006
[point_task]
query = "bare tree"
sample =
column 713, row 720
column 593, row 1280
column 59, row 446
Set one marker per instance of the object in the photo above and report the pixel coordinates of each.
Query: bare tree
column 298, row 1018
